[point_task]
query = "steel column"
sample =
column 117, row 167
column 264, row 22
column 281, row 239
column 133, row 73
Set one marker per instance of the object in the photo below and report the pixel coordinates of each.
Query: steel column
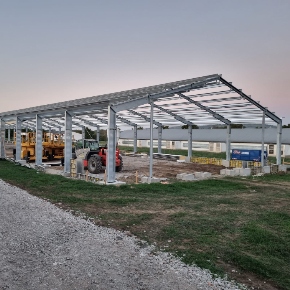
column 2, row 139
column 18, row 139
column 111, row 151
column 68, row 142
column 189, row 141
column 151, row 144
column 98, row 134
column 159, row 138
column 38, row 145
column 135, row 138
column 279, row 137
column 228, row 143
column 263, row 140
column 83, row 135
column 117, row 135
column 9, row 134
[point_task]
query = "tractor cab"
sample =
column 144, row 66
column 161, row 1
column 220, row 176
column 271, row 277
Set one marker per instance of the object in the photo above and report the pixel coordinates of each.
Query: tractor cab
column 91, row 144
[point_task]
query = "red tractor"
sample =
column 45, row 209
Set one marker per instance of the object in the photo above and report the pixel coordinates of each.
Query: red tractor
column 95, row 157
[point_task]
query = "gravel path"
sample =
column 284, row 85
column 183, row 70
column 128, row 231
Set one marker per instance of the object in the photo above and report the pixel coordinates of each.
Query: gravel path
column 44, row 247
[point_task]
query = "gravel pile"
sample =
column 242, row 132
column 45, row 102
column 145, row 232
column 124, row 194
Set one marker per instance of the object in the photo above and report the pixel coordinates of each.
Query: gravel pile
column 44, row 247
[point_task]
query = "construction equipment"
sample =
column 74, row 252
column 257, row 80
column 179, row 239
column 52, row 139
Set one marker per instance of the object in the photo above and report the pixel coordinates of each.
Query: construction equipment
column 94, row 157
column 52, row 146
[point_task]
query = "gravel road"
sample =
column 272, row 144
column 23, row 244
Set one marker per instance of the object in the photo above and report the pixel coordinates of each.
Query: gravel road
column 44, row 247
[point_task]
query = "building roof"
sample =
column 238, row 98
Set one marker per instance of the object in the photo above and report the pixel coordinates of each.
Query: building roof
column 246, row 135
column 201, row 101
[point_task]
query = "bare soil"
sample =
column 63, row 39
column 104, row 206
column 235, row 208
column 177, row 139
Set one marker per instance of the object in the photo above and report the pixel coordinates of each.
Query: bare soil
column 138, row 165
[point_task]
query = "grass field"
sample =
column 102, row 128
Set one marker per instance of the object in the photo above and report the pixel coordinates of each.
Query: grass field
column 232, row 225
column 194, row 153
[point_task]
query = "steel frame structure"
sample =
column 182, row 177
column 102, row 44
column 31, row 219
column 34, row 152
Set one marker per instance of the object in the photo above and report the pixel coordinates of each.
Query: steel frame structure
column 207, row 100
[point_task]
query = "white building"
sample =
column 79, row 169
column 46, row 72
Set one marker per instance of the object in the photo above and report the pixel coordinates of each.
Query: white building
column 211, row 140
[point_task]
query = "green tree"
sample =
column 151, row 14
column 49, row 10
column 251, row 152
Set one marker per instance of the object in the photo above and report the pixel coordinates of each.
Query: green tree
column 193, row 127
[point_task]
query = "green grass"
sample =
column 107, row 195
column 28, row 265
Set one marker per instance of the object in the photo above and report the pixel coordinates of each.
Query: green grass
column 218, row 224
column 175, row 152
column 194, row 153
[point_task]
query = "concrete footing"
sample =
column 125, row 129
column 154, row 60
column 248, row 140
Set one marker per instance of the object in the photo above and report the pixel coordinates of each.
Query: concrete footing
column 146, row 179
column 283, row 168
column 226, row 163
column 193, row 176
column 251, row 171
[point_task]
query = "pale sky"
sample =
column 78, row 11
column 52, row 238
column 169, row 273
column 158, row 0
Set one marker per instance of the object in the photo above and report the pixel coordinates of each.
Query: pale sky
column 59, row 50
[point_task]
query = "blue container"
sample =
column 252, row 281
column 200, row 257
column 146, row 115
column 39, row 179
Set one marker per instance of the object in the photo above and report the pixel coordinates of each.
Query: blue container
column 248, row 155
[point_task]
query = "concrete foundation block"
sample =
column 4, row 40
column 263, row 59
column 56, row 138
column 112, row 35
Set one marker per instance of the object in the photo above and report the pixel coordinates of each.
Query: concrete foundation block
column 282, row 168
column 245, row 172
column 180, row 175
column 223, row 172
column 237, row 171
column 206, row 175
column 198, row 174
column 226, row 163
column 154, row 180
column 188, row 177
column 116, row 183
column 266, row 169
column 230, row 172
column 144, row 179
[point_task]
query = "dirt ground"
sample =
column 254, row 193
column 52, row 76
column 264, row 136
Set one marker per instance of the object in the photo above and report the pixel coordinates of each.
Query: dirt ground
column 161, row 168
column 138, row 165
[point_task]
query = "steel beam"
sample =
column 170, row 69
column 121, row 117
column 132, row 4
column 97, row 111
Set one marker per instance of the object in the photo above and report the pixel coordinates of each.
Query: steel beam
column 130, row 104
column 100, row 119
column 125, row 121
column 211, row 112
column 183, row 89
column 175, row 116
column 268, row 113
column 68, row 142
column 111, row 151
column 88, row 122
column 145, row 117
column 39, row 137
column 2, row 139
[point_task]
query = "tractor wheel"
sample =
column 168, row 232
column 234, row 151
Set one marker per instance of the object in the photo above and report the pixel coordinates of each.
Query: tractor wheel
column 95, row 164
column 120, row 167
